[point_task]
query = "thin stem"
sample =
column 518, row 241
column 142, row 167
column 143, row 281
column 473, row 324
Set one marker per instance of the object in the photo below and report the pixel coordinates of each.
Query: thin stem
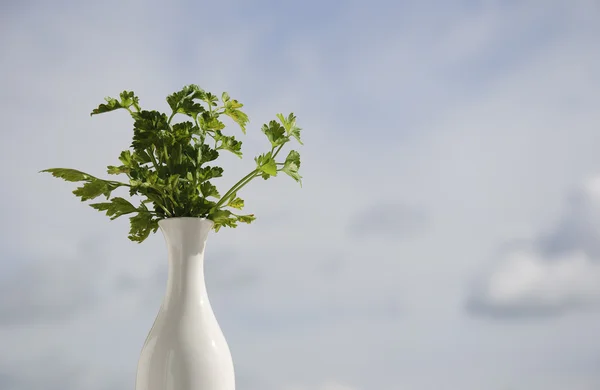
column 166, row 157
column 244, row 183
column 171, row 117
column 202, row 136
column 118, row 183
column 164, row 208
column 151, row 154
column 236, row 187
column 275, row 155
column 145, row 211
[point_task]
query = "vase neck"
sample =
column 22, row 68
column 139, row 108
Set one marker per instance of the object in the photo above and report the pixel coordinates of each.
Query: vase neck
column 186, row 241
column 187, row 235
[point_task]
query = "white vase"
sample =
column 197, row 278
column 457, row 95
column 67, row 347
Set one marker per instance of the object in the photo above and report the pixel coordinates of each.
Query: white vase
column 185, row 349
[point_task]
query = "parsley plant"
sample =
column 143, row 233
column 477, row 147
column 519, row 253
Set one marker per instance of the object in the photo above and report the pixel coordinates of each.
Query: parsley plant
column 167, row 163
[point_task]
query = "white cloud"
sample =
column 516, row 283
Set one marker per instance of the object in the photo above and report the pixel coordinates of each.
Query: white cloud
column 528, row 281
column 556, row 272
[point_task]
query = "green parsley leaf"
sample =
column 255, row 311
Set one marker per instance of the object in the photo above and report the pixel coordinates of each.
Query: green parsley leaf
column 207, row 173
column 209, row 121
column 246, row 218
column 222, row 218
column 228, row 143
column 93, row 189
column 289, row 124
column 235, row 202
column 232, row 110
column 113, row 170
column 206, row 154
column 68, row 174
column 270, row 168
column 115, row 208
column 275, row 133
column 291, row 166
column 208, row 189
column 142, row 225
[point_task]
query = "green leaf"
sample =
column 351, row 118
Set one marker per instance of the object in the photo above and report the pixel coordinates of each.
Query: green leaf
column 183, row 101
column 210, row 99
column 233, row 104
column 112, row 104
column 266, row 165
column 229, row 143
column 275, row 133
column 206, row 154
column 68, row 174
column 289, row 124
column 93, row 189
column 222, row 218
column 246, row 218
column 125, row 158
column 285, row 121
column 235, row 202
column 190, row 108
column 182, row 132
column 147, row 128
column 113, row 170
column 295, row 132
column 270, row 167
column 232, row 110
column 128, row 99
column 292, row 165
column 140, row 157
column 142, row 225
column 208, row 189
column 262, row 159
column 225, row 97
column 209, row 121
column 115, row 208
column 173, row 181
column 207, row 173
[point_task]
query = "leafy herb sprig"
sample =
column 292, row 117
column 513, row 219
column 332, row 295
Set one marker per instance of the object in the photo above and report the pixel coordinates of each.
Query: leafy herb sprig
column 168, row 163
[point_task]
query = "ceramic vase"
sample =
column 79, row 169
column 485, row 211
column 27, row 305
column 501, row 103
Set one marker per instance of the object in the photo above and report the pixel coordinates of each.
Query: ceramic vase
column 185, row 349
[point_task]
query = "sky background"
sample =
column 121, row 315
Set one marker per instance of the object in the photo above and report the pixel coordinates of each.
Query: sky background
column 447, row 235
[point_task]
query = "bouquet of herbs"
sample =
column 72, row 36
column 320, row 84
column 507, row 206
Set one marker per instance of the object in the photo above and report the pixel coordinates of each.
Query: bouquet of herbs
column 168, row 163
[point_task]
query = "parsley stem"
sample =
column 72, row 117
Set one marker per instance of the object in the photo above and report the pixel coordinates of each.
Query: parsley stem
column 167, row 157
column 237, row 186
column 171, row 117
column 151, row 154
column 245, row 180
column 117, row 183
column 280, row 146
column 164, row 208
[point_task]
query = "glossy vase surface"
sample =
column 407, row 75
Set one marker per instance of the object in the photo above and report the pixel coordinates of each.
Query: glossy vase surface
column 185, row 349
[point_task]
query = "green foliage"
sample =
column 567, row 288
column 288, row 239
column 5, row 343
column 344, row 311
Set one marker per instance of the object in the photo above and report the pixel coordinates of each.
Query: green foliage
column 292, row 165
column 116, row 207
column 167, row 162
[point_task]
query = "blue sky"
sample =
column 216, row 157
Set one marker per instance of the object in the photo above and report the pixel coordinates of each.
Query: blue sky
column 445, row 235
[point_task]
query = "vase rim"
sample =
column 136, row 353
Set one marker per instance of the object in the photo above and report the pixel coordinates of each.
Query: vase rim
column 203, row 218
column 199, row 219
